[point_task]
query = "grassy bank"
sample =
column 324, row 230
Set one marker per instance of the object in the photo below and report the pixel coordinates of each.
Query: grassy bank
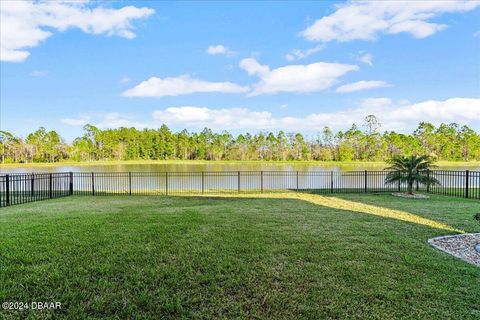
column 375, row 164
column 348, row 256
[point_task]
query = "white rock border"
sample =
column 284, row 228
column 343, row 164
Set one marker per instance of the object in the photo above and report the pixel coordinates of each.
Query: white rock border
column 454, row 253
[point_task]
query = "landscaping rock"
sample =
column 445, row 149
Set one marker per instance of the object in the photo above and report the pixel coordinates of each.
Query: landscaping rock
column 463, row 246
column 412, row 196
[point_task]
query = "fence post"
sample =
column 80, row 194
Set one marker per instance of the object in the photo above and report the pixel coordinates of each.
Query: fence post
column 467, row 174
column 331, row 181
column 428, row 178
column 238, row 181
column 297, row 180
column 166, row 183
column 203, row 182
column 32, row 185
column 366, row 186
column 129, row 183
column 7, row 190
column 70, row 188
column 93, row 183
column 261, row 181
column 50, row 186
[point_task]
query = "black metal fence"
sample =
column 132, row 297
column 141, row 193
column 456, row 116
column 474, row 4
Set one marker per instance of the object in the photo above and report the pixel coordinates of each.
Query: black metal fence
column 22, row 188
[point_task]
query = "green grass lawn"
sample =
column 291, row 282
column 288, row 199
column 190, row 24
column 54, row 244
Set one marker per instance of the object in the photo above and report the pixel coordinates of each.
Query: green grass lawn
column 253, row 258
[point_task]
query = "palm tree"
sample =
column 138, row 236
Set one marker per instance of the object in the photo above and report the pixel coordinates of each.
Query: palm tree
column 410, row 170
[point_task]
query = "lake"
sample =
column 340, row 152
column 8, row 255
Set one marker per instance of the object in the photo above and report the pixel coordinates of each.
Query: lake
column 198, row 166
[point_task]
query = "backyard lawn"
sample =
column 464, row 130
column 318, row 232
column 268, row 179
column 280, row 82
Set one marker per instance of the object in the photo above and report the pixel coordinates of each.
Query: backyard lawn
column 280, row 257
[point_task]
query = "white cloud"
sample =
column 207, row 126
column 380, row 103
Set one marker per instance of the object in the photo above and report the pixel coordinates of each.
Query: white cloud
column 200, row 117
column 220, row 49
column 366, row 58
column 300, row 54
column 181, row 85
column 460, row 110
column 295, row 78
column 366, row 20
column 253, row 67
column 25, row 24
column 393, row 116
column 362, row 85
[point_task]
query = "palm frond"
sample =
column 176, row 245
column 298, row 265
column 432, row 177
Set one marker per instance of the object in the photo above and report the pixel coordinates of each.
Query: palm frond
column 410, row 169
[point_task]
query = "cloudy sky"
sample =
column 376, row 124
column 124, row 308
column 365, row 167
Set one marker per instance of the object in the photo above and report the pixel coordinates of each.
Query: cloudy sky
column 240, row 66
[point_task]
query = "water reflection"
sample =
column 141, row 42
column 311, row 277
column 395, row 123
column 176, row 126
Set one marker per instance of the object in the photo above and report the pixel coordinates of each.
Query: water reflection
column 208, row 166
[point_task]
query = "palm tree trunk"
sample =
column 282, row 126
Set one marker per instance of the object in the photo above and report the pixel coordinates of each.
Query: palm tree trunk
column 410, row 187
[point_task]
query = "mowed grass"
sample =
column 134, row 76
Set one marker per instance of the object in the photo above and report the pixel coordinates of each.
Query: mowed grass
column 253, row 258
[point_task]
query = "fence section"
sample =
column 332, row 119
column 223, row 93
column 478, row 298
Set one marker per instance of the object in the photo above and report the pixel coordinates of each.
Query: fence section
column 465, row 184
column 22, row 188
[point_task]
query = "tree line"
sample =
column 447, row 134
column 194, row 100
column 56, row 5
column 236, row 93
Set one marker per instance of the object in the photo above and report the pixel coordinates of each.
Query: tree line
column 446, row 142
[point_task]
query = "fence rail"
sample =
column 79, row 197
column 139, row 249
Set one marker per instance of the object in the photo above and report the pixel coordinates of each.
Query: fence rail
column 27, row 187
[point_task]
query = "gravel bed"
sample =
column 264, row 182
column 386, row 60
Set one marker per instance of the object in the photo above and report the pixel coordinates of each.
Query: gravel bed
column 461, row 246
column 411, row 196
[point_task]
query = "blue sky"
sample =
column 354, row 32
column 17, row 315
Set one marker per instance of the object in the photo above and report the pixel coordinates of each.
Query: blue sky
column 296, row 66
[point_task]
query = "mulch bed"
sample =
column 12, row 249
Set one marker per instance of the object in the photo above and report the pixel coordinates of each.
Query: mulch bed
column 461, row 246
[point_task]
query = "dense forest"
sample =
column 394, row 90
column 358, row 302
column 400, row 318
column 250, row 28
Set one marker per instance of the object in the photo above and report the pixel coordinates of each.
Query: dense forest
column 365, row 143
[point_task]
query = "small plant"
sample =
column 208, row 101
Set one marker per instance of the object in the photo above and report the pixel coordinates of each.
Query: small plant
column 410, row 170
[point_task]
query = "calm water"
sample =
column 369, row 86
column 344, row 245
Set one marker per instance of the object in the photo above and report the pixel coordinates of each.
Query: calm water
column 198, row 167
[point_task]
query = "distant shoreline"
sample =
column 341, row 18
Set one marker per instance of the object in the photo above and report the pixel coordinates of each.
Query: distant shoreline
column 206, row 162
